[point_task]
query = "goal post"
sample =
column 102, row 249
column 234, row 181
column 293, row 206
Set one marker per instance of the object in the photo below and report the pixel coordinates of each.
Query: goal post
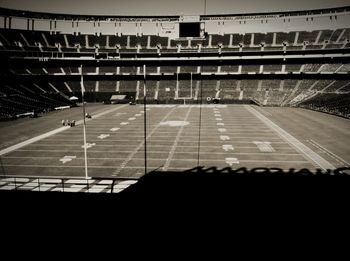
column 190, row 94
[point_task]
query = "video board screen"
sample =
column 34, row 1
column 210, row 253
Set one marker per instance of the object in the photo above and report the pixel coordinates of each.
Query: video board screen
column 190, row 29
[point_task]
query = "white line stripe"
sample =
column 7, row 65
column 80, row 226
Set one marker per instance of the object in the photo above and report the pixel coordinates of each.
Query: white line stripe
column 81, row 158
column 162, row 140
column 32, row 140
column 154, row 145
column 324, row 164
column 176, row 152
column 48, row 134
column 336, row 157
column 171, row 153
column 129, row 158
column 142, row 166
column 264, row 112
column 167, row 136
column 162, row 158
column 126, row 151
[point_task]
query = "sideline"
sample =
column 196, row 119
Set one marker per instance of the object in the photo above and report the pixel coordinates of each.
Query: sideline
column 324, row 164
column 50, row 133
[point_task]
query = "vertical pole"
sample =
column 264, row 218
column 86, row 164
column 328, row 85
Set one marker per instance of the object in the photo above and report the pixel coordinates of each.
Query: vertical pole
column 191, row 86
column 84, row 124
column 144, row 115
column 177, row 85
column 200, row 121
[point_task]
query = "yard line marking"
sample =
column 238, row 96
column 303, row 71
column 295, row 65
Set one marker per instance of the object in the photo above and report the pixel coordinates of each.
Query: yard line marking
column 129, row 158
column 227, row 147
column 155, row 145
column 264, row 146
column 171, row 153
column 50, row 133
column 314, row 157
column 174, row 123
column 88, row 145
column 90, row 158
column 329, row 153
column 154, row 139
column 142, row 166
column 66, row 159
column 159, row 151
column 78, row 151
column 231, row 161
column 155, row 158
column 103, row 136
column 188, row 133
column 72, row 167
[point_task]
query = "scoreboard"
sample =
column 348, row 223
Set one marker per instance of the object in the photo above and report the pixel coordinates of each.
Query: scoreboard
column 190, row 26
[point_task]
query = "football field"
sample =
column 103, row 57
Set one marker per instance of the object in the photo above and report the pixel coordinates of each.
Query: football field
column 179, row 138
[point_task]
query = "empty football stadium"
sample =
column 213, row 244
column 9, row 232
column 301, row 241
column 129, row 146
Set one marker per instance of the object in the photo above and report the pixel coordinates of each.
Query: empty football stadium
column 97, row 103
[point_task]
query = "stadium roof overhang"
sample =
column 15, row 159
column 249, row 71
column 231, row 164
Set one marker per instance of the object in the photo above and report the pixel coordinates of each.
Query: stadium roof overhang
column 45, row 15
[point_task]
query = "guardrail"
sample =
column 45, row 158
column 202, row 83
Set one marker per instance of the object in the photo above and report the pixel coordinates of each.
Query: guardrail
column 67, row 184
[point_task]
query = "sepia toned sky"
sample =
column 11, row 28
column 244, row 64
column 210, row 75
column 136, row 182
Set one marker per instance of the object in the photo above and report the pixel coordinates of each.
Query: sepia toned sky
column 167, row 7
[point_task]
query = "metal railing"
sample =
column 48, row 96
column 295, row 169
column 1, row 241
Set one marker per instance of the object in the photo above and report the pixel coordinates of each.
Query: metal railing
column 66, row 184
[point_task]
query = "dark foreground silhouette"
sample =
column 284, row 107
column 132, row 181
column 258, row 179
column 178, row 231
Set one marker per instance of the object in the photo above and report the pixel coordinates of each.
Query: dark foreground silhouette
column 160, row 196
column 200, row 183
